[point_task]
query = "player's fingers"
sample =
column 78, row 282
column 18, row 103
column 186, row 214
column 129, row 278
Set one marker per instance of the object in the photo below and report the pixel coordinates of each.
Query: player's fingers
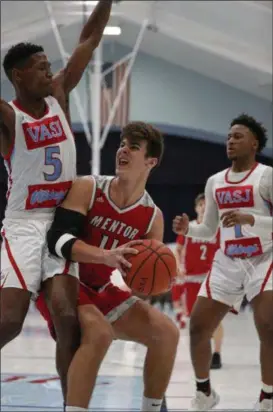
column 122, row 270
column 129, row 251
column 123, row 262
column 134, row 243
column 226, row 214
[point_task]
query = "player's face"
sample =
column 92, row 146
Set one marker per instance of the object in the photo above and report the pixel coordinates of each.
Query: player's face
column 241, row 142
column 200, row 208
column 131, row 158
column 36, row 77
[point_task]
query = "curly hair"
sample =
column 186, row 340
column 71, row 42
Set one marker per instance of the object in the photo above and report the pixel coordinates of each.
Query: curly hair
column 17, row 56
column 148, row 133
column 254, row 126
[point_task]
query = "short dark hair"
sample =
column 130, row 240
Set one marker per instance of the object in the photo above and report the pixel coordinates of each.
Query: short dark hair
column 148, row 133
column 18, row 54
column 254, row 126
column 198, row 198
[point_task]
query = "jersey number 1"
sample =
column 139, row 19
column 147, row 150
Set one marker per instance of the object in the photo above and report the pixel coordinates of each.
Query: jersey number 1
column 104, row 241
column 238, row 231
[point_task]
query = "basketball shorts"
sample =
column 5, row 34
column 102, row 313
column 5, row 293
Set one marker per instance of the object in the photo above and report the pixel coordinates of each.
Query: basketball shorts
column 232, row 278
column 112, row 301
column 25, row 259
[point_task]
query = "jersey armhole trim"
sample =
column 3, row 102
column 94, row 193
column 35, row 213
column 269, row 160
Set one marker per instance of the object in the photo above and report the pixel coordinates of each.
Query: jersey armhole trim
column 151, row 221
column 93, row 193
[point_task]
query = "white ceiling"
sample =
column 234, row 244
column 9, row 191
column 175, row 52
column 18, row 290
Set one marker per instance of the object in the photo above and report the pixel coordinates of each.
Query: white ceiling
column 226, row 40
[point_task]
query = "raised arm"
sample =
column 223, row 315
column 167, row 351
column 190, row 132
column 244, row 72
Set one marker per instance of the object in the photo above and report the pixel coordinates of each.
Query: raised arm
column 7, row 127
column 89, row 40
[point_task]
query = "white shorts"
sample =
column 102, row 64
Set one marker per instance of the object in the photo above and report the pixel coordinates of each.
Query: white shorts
column 25, row 259
column 232, row 278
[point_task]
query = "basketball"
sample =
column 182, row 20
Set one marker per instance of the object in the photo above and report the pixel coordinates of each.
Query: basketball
column 153, row 268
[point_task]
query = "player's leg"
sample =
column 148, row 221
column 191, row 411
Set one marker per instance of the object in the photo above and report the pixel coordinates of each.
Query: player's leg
column 192, row 290
column 61, row 295
column 218, row 335
column 178, row 308
column 260, row 294
column 220, row 291
column 96, row 337
column 14, row 304
column 20, row 277
column 60, row 287
column 144, row 324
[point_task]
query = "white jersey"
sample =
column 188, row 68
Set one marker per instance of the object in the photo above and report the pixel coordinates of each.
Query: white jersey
column 244, row 195
column 42, row 163
column 245, row 192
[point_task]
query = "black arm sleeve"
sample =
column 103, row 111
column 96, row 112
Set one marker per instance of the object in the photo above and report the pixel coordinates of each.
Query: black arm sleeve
column 66, row 222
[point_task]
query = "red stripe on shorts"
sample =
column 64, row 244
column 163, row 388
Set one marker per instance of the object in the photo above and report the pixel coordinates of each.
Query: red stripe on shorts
column 267, row 277
column 208, row 286
column 66, row 268
column 14, row 264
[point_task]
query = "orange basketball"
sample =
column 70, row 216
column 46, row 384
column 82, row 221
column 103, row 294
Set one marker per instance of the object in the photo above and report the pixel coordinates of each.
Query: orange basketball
column 153, row 268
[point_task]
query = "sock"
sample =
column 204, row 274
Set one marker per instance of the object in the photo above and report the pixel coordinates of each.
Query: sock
column 266, row 392
column 203, row 385
column 75, row 409
column 151, row 405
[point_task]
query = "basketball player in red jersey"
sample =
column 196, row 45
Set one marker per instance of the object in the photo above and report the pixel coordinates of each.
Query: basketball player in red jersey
column 106, row 212
column 38, row 146
column 196, row 257
column 240, row 200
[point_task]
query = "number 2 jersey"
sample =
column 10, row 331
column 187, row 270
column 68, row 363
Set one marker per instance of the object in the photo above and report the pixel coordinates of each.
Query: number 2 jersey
column 42, row 162
column 108, row 226
column 198, row 254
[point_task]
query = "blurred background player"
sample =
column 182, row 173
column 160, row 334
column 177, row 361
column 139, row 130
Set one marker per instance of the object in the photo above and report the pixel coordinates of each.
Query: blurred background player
column 178, row 289
column 196, row 257
column 240, row 199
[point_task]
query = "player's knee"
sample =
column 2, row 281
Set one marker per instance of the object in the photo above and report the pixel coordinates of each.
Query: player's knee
column 165, row 333
column 265, row 326
column 10, row 328
column 95, row 331
column 198, row 329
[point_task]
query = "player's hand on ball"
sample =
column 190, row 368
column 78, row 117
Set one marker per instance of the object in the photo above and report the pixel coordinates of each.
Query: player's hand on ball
column 181, row 224
column 115, row 258
column 235, row 217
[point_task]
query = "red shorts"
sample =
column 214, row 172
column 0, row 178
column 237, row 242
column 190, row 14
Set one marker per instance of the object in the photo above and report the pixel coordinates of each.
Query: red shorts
column 192, row 290
column 177, row 292
column 112, row 301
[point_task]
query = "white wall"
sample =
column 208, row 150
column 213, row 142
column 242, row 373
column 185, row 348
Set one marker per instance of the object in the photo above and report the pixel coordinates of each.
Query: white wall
column 168, row 94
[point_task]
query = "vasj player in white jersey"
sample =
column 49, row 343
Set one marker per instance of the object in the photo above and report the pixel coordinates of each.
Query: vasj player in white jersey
column 38, row 147
column 106, row 212
column 238, row 199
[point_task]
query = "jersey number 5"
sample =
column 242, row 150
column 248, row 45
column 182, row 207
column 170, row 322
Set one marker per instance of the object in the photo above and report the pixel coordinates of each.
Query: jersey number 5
column 52, row 154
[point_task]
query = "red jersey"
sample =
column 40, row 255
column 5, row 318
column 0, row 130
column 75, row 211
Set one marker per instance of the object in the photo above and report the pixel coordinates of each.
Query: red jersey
column 108, row 227
column 198, row 254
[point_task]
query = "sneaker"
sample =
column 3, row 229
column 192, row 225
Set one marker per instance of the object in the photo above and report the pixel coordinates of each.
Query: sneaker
column 216, row 361
column 202, row 402
column 265, row 405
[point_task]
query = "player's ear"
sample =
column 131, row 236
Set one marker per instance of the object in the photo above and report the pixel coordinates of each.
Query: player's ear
column 152, row 162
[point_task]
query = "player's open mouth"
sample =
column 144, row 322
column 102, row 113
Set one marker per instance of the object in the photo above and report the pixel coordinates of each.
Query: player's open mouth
column 123, row 162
